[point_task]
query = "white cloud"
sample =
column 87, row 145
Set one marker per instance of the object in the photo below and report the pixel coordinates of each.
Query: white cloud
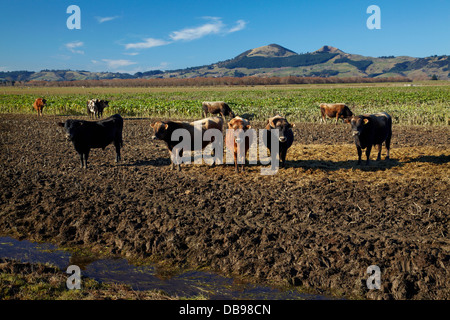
column 105, row 19
column 214, row 27
column 131, row 53
column 73, row 45
column 114, row 64
column 240, row 24
column 148, row 43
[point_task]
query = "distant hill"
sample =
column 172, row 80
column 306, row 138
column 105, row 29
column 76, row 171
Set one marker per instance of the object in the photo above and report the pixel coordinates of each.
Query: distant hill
column 273, row 60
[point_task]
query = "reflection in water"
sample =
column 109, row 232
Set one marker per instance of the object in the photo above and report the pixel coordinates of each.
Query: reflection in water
column 147, row 277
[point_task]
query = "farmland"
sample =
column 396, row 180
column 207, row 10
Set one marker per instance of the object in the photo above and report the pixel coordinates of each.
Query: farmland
column 414, row 105
column 316, row 225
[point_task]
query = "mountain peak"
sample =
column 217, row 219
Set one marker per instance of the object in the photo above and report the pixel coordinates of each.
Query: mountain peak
column 270, row 51
column 329, row 49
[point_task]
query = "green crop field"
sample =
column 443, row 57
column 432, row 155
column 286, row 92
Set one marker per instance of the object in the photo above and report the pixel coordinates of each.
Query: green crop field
column 421, row 104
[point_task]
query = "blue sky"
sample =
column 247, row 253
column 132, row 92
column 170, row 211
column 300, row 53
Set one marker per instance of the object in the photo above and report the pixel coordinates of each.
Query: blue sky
column 132, row 36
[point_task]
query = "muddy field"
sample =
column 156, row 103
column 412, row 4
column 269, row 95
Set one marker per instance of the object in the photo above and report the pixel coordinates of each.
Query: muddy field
column 318, row 224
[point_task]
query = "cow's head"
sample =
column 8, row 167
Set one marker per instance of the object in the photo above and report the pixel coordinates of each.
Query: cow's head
column 359, row 124
column 282, row 125
column 348, row 115
column 44, row 101
column 71, row 127
column 160, row 128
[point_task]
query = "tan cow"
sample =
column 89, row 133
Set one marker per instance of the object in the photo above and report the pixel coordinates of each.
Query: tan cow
column 335, row 110
column 217, row 107
column 233, row 140
column 38, row 105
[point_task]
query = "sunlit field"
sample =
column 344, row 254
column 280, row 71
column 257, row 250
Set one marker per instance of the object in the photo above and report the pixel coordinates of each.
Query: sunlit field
column 425, row 103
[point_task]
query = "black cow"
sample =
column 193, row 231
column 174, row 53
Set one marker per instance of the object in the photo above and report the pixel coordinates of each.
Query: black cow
column 369, row 130
column 86, row 135
column 286, row 136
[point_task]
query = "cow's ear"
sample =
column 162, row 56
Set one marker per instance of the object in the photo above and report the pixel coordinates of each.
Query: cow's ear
column 366, row 121
column 166, row 126
column 61, row 124
column 152, row 125
column 291, row 125
column 248, row 127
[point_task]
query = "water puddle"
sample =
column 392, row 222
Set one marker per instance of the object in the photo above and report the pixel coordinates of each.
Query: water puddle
column 188, row 284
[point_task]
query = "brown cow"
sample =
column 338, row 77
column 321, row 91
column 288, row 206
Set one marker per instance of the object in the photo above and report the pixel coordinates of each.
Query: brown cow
column 335, row 110
column 165, row 129
column 233, row 140
column 217, row 107
column 38, row 105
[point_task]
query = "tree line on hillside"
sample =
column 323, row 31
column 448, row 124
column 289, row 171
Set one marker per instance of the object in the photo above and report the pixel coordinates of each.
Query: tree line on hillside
column 211, row 81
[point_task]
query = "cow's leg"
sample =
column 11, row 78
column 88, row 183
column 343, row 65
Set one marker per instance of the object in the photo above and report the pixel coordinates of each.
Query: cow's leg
column 117, row 145
column 81, row 154
column 176, row 161
column 172, row 160
column 213, row 155
column 379, row 152
column 86, row 156
column 388, row 146
column 358, row 149
column 369, row 148
column 283, row 157
column 180, row 154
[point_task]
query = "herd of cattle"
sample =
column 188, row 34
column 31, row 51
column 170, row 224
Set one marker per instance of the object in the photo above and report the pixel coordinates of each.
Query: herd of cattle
column 367, row 130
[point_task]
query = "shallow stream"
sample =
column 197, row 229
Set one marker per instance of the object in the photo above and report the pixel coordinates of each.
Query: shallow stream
column 187, row 284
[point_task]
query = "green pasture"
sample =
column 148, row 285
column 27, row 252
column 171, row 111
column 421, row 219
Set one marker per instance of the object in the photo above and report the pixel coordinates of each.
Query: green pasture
column 407, row 104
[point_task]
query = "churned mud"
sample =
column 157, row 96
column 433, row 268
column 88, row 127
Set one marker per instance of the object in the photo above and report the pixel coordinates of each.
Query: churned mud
column 317, row 224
